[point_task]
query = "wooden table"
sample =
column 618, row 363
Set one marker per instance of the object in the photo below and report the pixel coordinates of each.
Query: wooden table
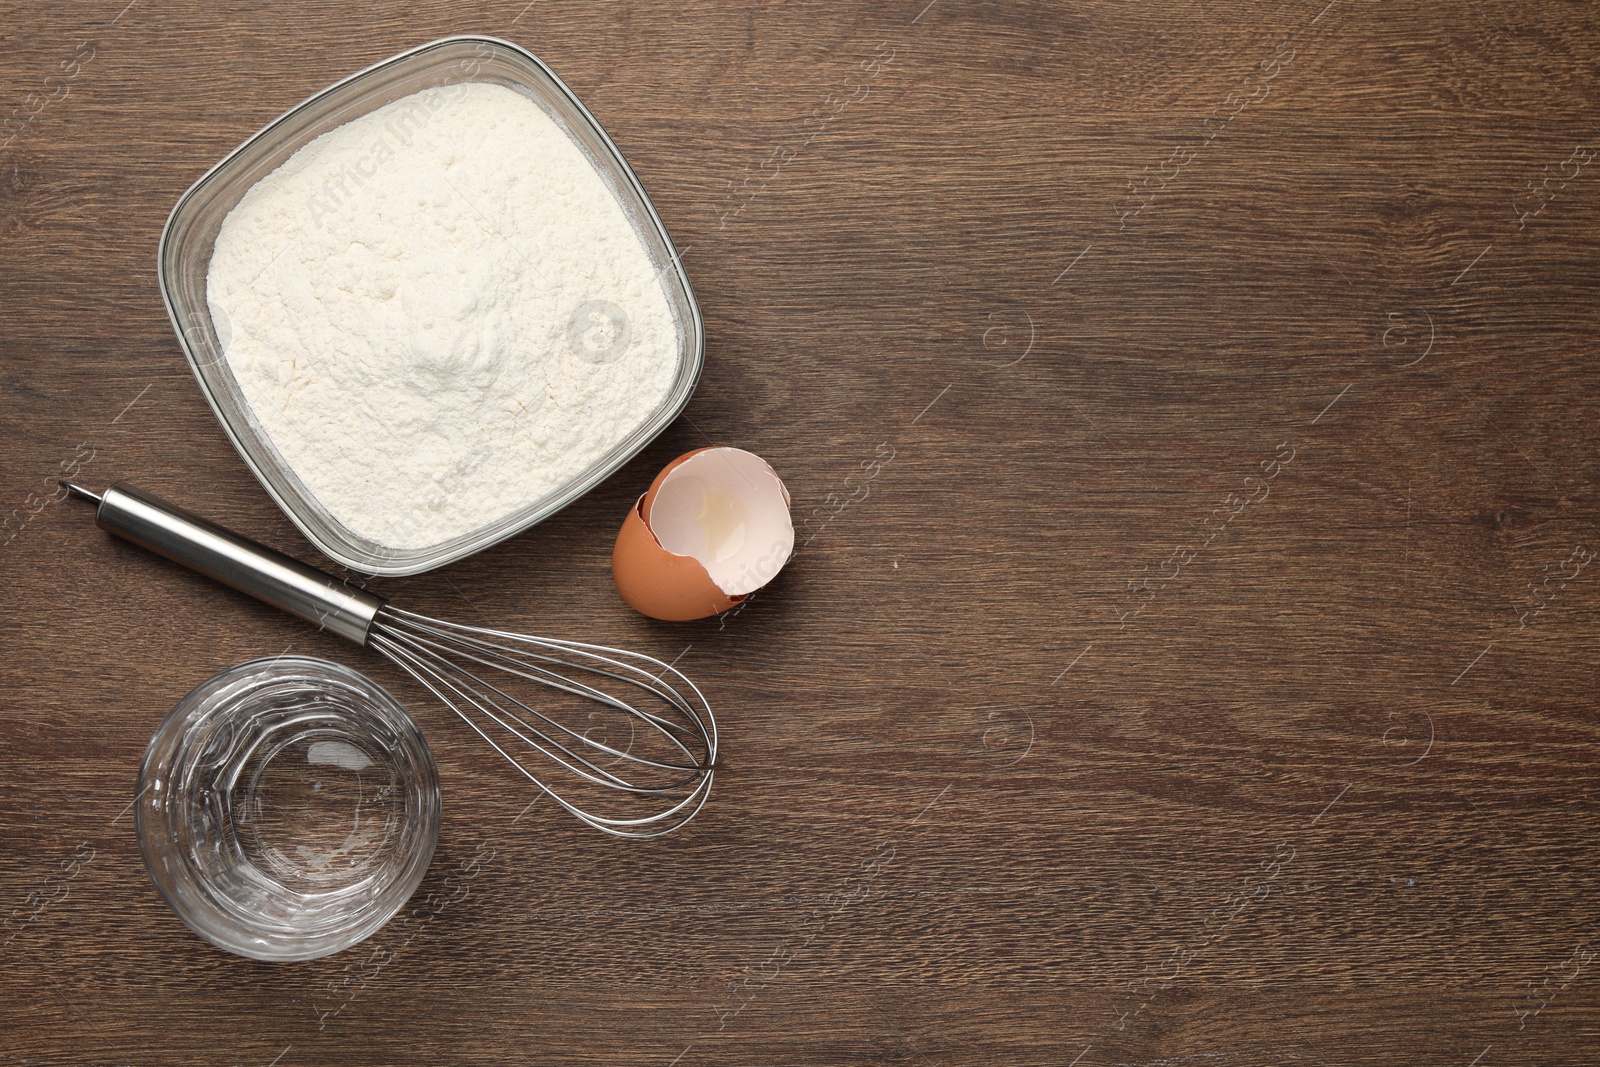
column 1190, row 414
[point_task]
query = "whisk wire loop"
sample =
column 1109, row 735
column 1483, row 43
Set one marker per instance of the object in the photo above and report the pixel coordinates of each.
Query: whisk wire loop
column 432, row 656
column 443, row 656
column 512, row 659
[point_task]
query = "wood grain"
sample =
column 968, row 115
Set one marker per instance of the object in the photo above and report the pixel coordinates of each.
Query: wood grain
column 1173, row 694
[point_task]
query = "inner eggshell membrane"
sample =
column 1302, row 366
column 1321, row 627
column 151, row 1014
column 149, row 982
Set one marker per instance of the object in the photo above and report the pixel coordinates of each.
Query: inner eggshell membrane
column 729, row 511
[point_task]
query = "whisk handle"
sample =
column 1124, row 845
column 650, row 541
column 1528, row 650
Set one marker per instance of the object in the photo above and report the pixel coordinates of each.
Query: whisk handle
column 264, row 573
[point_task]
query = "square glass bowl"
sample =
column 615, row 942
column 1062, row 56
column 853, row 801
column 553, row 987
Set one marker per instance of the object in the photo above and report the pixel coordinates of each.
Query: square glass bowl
column 191, row 231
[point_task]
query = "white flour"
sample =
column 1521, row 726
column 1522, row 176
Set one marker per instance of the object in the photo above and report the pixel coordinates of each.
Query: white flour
column 439, row 314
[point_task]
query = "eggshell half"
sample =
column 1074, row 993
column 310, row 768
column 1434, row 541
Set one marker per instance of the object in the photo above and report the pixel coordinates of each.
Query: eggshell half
column 726, row 514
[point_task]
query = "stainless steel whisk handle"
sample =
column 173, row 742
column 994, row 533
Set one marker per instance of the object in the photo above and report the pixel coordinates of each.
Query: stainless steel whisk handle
column 238, row 562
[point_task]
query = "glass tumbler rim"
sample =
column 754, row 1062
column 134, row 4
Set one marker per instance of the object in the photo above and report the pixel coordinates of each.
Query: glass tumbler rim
column 196, row 760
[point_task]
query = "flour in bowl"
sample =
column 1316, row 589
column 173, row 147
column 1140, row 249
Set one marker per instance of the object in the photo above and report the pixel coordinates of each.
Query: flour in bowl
column 440, row 314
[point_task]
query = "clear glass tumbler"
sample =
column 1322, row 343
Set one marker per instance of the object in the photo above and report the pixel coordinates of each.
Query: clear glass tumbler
column 287, row 808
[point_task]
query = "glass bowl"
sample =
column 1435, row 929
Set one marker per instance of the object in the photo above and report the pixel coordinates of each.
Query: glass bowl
column 190, row 234
column 287, row 808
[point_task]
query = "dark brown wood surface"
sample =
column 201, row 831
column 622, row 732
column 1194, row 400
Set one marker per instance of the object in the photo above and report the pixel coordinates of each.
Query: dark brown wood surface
column 1204, row 674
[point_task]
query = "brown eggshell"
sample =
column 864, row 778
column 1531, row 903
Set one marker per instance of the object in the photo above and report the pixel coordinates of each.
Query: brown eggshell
column 658, row 583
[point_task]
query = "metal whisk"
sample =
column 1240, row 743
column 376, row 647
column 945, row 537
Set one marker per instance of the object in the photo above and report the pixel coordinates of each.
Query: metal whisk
column 659, row 774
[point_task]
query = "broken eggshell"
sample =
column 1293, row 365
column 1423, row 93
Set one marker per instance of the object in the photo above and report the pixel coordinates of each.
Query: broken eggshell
column 712, row 528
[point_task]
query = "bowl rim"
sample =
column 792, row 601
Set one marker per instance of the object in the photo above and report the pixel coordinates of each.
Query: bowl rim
column 691, row 346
